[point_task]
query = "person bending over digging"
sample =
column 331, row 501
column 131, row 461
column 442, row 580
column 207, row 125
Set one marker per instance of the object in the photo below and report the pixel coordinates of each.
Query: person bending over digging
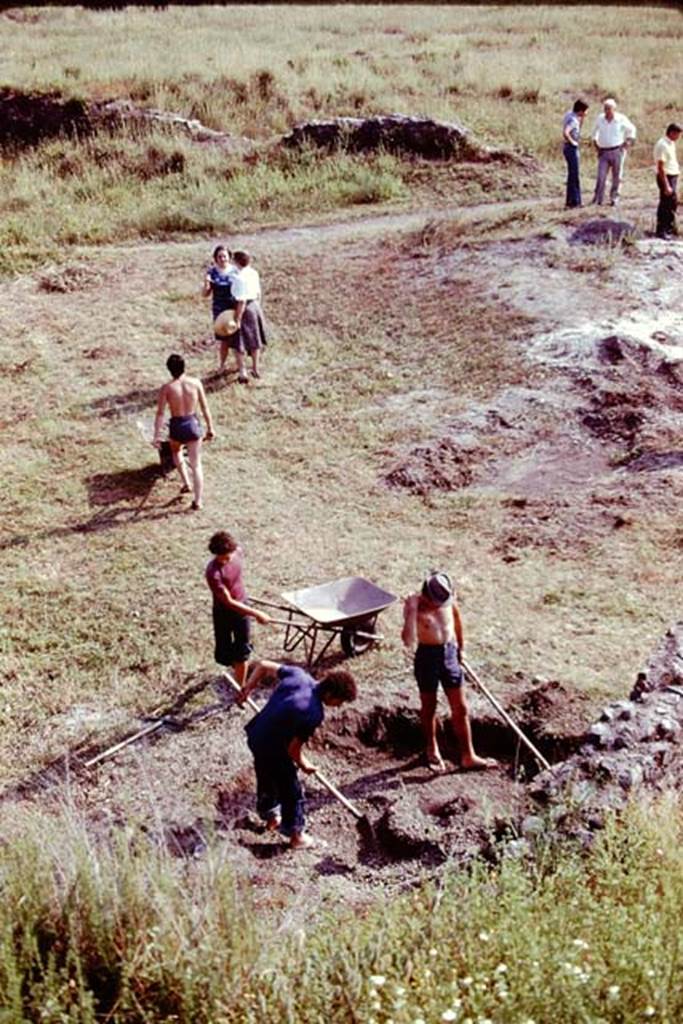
column 276, row 738
column 183, row 395
column 231, row 614
column 432, row 620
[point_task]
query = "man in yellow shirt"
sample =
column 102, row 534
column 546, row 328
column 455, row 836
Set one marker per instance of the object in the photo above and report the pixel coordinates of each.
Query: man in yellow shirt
column 666, row 164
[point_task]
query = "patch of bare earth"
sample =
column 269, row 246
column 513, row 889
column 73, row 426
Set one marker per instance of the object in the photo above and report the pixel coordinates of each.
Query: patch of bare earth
column 453, row 404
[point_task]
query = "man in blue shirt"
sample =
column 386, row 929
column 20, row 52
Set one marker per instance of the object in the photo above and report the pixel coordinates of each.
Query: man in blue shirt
column 277, row 734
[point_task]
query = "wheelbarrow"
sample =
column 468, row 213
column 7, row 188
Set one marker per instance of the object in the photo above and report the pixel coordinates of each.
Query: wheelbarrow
column 347, row 608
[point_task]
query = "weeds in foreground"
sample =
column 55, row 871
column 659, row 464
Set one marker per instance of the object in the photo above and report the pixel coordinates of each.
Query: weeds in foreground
column 119, row 930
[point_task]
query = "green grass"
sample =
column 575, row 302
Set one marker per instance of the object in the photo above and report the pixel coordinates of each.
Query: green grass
column 119, row 930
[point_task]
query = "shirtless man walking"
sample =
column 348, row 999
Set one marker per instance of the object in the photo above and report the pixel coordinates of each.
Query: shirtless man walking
column 183, row 395
column 432, row 620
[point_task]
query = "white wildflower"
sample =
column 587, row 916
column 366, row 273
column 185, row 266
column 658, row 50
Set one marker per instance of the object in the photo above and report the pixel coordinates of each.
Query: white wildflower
column 484, row 936
column 501, row 969
column 466, row 982
column 448, row 1015
column 649, row 1011
column 580, row 944
column 377, row 980
column 433, row 951
column 613, row 991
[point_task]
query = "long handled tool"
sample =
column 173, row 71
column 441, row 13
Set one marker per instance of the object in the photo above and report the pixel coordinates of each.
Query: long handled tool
column 318, row 774
column 152, row 727
column 503, row 713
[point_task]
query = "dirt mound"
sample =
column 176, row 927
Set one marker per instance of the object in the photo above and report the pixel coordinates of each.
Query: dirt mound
column 28, row 118
column 604, row 232
column 443, row 465
column 71, row 278
column 419, row 136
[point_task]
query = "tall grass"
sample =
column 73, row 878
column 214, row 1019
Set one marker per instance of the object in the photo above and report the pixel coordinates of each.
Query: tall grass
column 115, row 187
column 509, row 72
column 91, row 931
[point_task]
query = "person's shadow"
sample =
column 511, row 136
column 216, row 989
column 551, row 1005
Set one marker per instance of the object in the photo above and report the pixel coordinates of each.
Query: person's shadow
column 119, row 499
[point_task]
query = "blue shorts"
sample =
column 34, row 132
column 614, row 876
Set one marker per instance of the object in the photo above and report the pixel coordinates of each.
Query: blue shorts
column 437, row 663
column 184, row 428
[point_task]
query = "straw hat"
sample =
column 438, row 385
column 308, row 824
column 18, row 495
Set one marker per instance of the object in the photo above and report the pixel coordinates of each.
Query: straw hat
column 225, row 323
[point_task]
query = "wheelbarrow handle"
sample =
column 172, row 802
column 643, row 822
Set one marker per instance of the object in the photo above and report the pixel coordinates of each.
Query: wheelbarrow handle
column 318, row 774
column 503, row 713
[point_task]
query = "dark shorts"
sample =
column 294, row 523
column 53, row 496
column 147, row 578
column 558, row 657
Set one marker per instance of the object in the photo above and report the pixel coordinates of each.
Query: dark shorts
column 232, row 633
column 185, row 428
column 437, row 663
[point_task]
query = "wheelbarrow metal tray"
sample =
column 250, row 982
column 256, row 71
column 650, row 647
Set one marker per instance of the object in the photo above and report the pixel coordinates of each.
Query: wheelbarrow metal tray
column 340, row 602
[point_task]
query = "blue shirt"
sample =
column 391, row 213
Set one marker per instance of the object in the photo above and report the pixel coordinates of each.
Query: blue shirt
column 294, row 711
column 571, row 121
column 221, row 290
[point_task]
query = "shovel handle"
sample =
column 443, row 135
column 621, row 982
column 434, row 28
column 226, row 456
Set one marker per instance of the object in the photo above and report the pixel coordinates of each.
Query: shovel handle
column 504, row 715
column 317, row 773
column 238, row 689
column 337, row 794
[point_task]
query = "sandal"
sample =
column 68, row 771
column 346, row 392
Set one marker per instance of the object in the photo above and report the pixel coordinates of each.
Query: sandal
column 435, row 764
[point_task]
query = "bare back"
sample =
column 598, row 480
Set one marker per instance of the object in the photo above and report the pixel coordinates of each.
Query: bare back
column 182, row 395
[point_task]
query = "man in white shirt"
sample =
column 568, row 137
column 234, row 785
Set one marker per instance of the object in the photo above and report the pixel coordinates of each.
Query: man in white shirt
column 613, row 135
column 666, row 165
column 251, row 333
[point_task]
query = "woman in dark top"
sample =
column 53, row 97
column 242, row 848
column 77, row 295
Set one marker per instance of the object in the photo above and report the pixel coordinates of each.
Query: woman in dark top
column 218, row 284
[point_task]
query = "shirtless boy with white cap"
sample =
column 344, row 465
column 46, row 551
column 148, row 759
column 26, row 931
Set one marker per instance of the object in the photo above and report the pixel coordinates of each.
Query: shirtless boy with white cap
column 432, row 620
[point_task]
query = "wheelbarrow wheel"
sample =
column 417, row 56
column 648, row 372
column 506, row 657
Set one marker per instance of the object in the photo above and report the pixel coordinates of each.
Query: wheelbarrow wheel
column 352, row 644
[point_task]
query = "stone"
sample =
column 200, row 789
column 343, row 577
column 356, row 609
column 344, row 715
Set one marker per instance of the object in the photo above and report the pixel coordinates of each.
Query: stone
column 631, row 748
column 598, row 734
column 532, row 826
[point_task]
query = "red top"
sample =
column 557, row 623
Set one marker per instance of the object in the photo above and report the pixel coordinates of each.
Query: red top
column 228, row 575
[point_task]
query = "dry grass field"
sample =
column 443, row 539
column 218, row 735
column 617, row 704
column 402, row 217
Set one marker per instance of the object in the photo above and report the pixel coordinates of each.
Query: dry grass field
column 438, row 391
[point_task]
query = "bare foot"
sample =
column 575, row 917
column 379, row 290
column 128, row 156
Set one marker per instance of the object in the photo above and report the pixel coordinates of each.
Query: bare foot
column 435, row 762
column 301, row 841
column 478, row 764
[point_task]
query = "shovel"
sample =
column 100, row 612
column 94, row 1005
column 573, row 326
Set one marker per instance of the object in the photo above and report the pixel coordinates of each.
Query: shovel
column 362, row 821
column 504, row 715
